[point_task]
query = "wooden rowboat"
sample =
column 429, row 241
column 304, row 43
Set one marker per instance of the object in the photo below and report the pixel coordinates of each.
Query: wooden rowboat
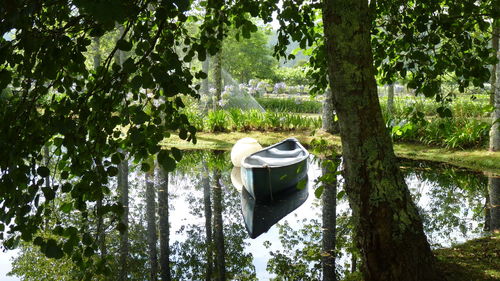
column 274, row 169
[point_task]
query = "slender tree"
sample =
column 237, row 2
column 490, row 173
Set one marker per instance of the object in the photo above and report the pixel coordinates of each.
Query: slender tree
column 220, row 262
column 123, row 189
column 217, row 80
column 164, row 225
column 218, row 60
column 205, row 67
column 390, row 99
column 208, row 223
column 329, row 200
column 389, row 229
column 151, row 225
column 494, row 203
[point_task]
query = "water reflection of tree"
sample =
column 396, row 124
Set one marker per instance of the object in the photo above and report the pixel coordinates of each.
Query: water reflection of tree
column 455, row 199
column 195, row 257
column 492, row 221
column 321, row 248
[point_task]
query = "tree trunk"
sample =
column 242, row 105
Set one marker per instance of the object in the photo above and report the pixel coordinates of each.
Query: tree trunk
column 487, row 213
column 208, row 223
column 354, row 263
column 495, row 37
column 205, row 67
column 390, row 99
column 218, row 228
column 123, row 193
column 495, row 86
column 494, row 194
column 217, row 80
column 164, row 226
column 389, row 231
column 329, row 199
column 329, row 124
column 151, row 226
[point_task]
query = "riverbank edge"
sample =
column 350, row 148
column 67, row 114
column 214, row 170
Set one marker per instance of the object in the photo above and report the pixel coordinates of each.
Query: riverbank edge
column 477, row 160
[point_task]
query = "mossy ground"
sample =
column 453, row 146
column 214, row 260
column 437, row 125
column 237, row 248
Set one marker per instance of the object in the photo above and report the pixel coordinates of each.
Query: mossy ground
column 478, row 160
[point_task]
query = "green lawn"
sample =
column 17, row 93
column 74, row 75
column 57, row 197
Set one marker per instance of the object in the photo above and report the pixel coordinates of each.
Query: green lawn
column 479, row 160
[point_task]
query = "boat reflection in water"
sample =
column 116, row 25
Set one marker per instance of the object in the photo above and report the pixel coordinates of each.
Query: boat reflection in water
column 260, row 216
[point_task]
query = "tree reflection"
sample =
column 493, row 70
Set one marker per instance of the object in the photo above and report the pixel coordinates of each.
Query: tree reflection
column 450, row 200
column 494, row 203
column 217, row 241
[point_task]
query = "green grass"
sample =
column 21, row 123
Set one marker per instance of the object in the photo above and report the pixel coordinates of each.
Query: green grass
column 295, row 105
column 477, row 260
column 478, row 160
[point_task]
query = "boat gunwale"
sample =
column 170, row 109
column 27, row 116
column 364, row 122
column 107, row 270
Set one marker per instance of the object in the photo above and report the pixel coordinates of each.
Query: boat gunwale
column 295, row 162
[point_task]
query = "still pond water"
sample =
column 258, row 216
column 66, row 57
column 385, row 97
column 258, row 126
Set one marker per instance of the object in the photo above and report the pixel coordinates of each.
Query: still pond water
column 451, row 202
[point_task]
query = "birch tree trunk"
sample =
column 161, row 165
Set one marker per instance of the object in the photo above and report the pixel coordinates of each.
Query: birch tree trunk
column 208, row 222
column 495, row 86
column 217, row 80
column 389, row 231
column 164, row 226
column 218, row 229
column 329, row 200
column 205, row 67
column 151, row 226
column 124, row 200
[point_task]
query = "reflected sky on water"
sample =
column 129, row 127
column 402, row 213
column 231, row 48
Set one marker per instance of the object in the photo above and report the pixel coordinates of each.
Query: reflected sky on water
column 450, row 200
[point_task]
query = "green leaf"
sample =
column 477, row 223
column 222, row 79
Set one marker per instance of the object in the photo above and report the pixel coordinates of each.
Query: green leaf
column 129, row 66
column 66, row 187
column 145, row 167
column 318, row 191
column 87, row 239
column 52, row 250
column 121, row 227
column 48, row 193
column 140, row 117
column 43, row 171
column 183, row 133
column 66, row 208
column 340, row 195
column 112, row 171
column 5, row 78
column 166, row 161
column 176, row 153
column 116, row 158
column 124, row 45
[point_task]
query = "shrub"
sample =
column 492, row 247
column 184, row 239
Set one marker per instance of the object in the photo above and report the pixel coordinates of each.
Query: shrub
column 290, row 105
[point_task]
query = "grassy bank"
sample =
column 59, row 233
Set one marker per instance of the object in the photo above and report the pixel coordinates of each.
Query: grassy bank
column 478, row 160
column 476, row 259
